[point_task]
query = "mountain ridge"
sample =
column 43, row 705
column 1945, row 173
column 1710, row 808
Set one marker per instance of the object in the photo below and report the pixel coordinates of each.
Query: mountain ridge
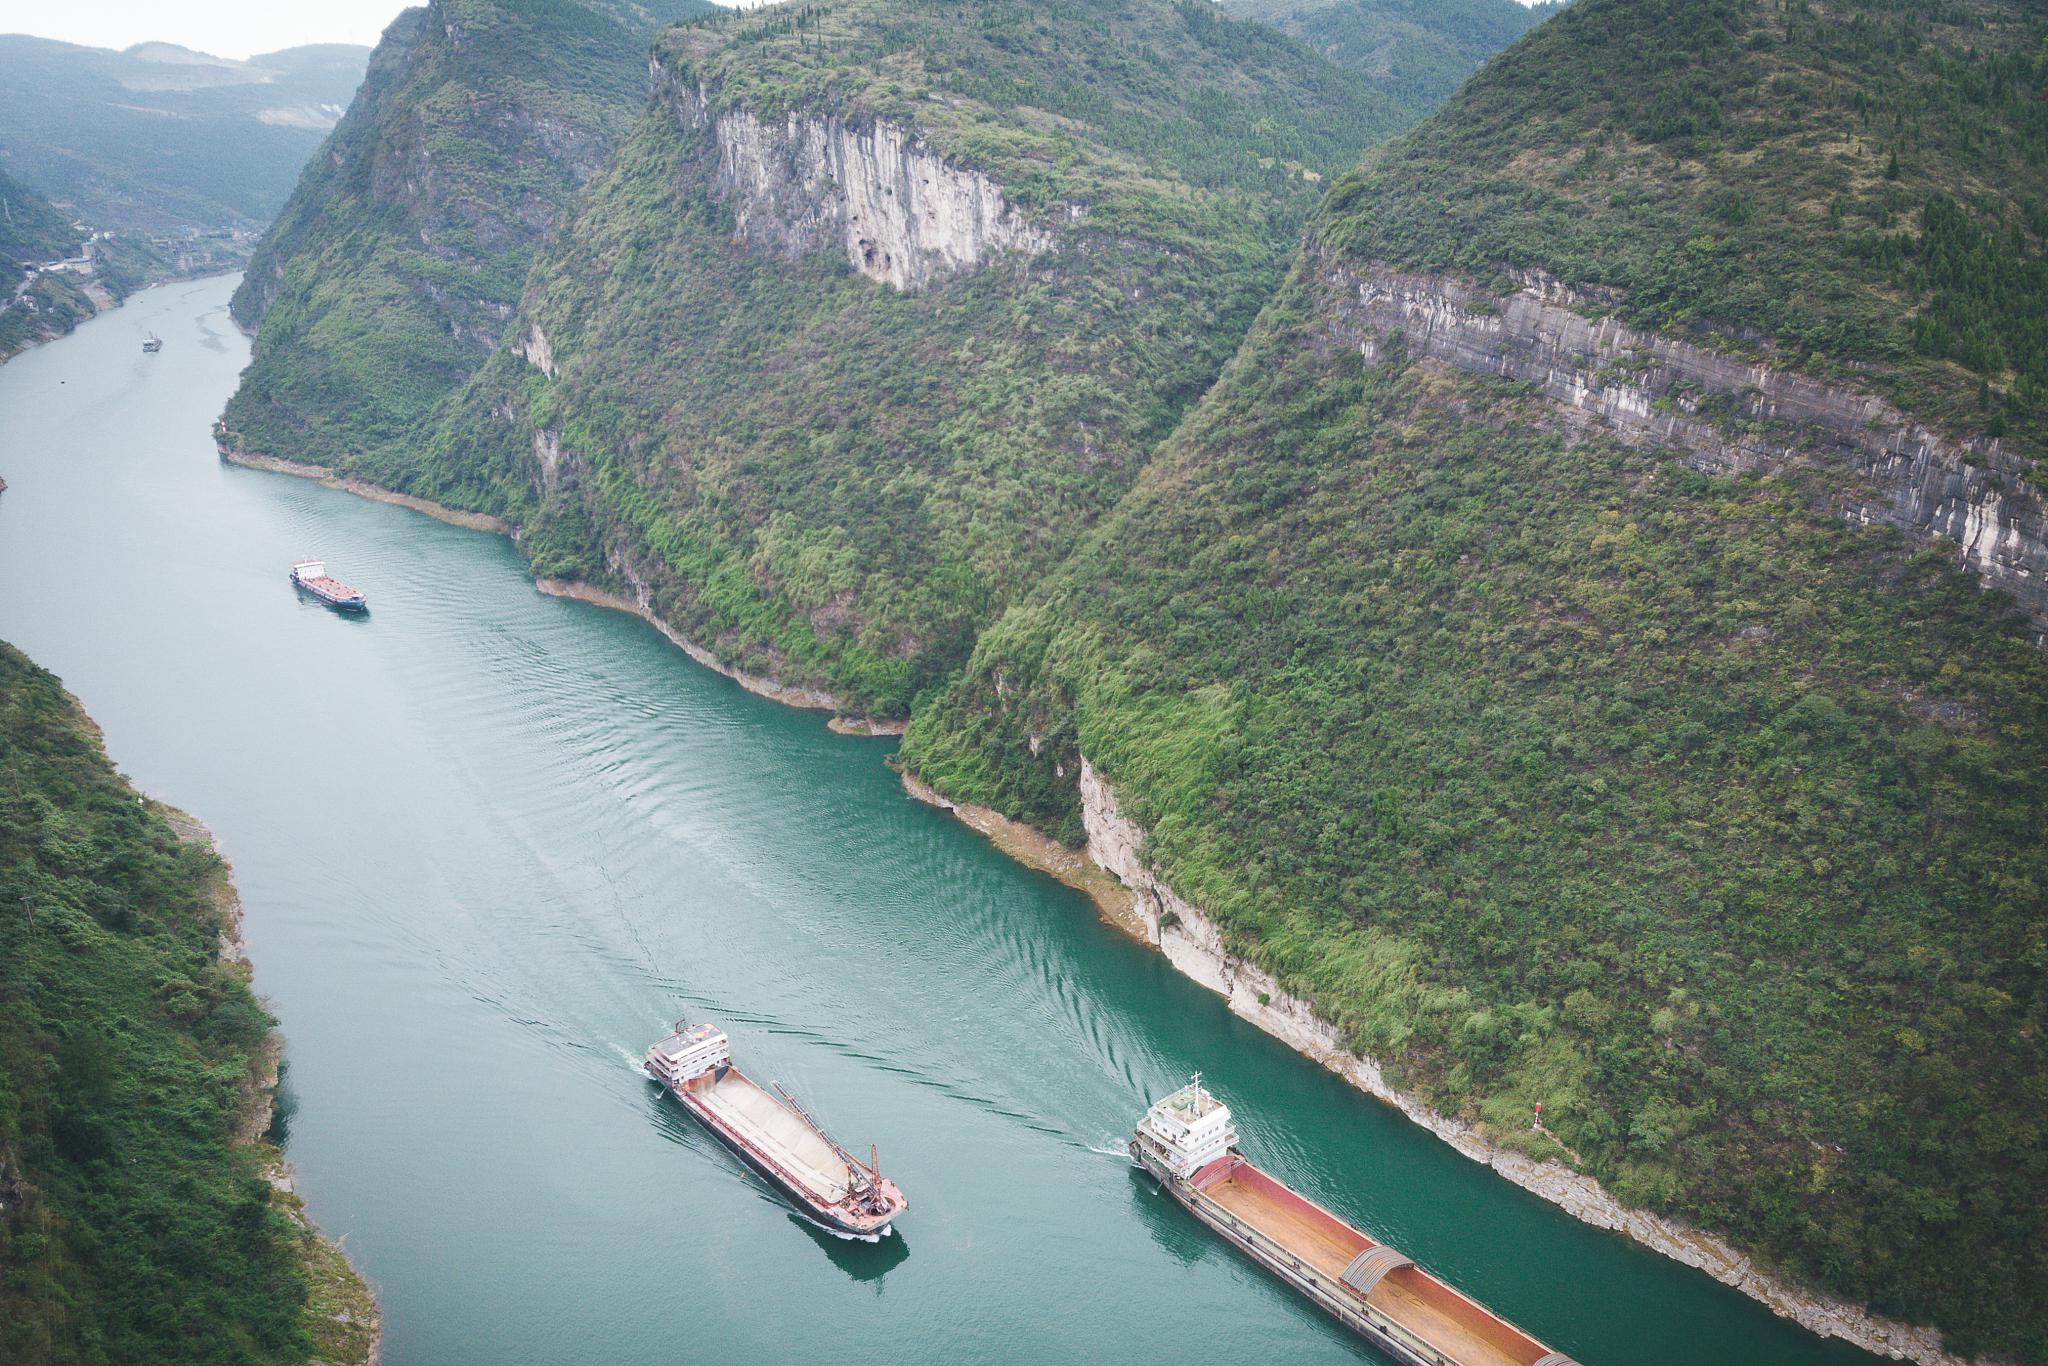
column 1518, row 660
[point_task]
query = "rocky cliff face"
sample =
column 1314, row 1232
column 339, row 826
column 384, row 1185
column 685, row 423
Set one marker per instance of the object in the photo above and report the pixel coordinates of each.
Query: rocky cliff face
column 812, row 182
column 1723, row 412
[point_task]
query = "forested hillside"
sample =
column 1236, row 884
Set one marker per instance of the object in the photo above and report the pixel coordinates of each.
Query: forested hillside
column 1594, row 714
column 393, row 269
column 1417, row 51
column 138, row 1222
column 159, row 138
column 35, row 304
column 879, row 305
column 30, row 229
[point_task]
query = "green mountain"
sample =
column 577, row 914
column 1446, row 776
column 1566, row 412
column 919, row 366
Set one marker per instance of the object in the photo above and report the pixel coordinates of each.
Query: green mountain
column 393, row 269
column 1418, row 51
column 31, row 230
column 138, row 1221
column 35, row 304
column 1586, row 643
column 876, row 308
column 160, row 138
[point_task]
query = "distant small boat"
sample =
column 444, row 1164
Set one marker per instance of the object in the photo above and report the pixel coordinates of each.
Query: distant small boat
column 153, row 343
column 310, row 576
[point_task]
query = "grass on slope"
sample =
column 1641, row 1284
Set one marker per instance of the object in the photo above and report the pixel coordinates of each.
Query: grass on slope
column 836, row 483
column 1560, row 773
column 393, row 269
column 1417, row 51
column 134, row 1224
column 1857, row 182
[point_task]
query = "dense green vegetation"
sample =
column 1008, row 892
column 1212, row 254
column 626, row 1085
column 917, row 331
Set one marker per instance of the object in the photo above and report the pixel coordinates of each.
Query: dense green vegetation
column 1418, row 51
column 917, row 458
column 1559, row 773
column 393, row 268
column 160, row 138
column 1860, row 181
column 34, row 305
column 31, row 229
column 1548, row 769
column 136, row 1223
column 1551, row 770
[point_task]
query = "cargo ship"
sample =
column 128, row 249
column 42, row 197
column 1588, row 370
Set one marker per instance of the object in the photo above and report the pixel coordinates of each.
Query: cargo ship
column 310, row 576
column 152, row 343
column 1188, row 1142
column 772, row 1134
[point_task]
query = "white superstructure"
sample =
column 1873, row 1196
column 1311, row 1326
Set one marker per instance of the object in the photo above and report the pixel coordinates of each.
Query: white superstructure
column 689, row 1052
column 1189, row 1129
column 307, row 570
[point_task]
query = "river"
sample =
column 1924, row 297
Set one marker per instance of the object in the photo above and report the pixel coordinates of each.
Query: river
column 492, row 843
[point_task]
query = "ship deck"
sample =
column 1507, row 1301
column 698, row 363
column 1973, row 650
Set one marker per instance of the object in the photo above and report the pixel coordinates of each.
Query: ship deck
column 1461, row 1330
column 765, row 1123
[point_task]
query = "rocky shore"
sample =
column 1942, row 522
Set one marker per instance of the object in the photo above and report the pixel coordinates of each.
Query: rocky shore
column 341, row 1314
column 1111, row 870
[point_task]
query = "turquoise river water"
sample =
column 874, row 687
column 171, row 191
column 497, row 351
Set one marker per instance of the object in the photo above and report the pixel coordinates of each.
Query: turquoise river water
column 492, row 843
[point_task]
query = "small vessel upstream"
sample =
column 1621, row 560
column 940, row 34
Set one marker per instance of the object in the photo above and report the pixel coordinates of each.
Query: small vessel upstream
column 1188, row 1142
column 152, row 343
column 773, row 1135
column 310, row 576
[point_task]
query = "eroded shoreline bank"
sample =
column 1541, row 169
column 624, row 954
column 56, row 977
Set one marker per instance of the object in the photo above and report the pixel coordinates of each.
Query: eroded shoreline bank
column 789, row 695
column 341, row 1306
column 1132, row 899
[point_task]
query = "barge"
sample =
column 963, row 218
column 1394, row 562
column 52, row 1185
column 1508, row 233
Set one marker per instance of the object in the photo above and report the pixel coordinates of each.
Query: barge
column 1189, row 1143
column 772, row 1134
column 310, row 576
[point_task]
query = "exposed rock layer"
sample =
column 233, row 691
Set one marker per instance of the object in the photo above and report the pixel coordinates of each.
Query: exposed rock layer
column 902, row 214
column 1724, row 412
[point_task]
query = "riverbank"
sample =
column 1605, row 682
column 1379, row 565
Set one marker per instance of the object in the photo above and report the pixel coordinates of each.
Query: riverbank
column 789, row 695
column 1134, row 901
column 1132, row 896
column 341, row 1315
column 361, row 488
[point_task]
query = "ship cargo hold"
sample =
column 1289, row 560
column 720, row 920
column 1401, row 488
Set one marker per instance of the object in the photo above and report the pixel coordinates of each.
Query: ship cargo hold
column 310, row 576
column 1188, row 1142
column 772, row 1134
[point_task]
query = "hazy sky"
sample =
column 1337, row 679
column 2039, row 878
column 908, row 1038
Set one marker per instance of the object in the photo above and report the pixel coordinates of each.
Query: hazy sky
column 226, row 28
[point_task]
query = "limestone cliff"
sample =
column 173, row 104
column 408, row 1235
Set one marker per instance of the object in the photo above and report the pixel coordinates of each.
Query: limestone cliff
column 816, row 181
column 1718, row 409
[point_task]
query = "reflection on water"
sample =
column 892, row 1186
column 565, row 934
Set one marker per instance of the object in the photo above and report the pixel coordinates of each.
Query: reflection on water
column 491, row 844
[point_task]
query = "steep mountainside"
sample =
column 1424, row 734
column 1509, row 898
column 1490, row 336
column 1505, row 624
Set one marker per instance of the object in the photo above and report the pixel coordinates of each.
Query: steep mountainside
column 881, row 304
column 35, row 304
column 160, row 138
column 138, row 1220
column 391, row 273
column 30, row 229
column 1417, row 51
column 1570, row 645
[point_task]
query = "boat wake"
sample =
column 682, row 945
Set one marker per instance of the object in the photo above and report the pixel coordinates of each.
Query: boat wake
column 1112, row 1148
